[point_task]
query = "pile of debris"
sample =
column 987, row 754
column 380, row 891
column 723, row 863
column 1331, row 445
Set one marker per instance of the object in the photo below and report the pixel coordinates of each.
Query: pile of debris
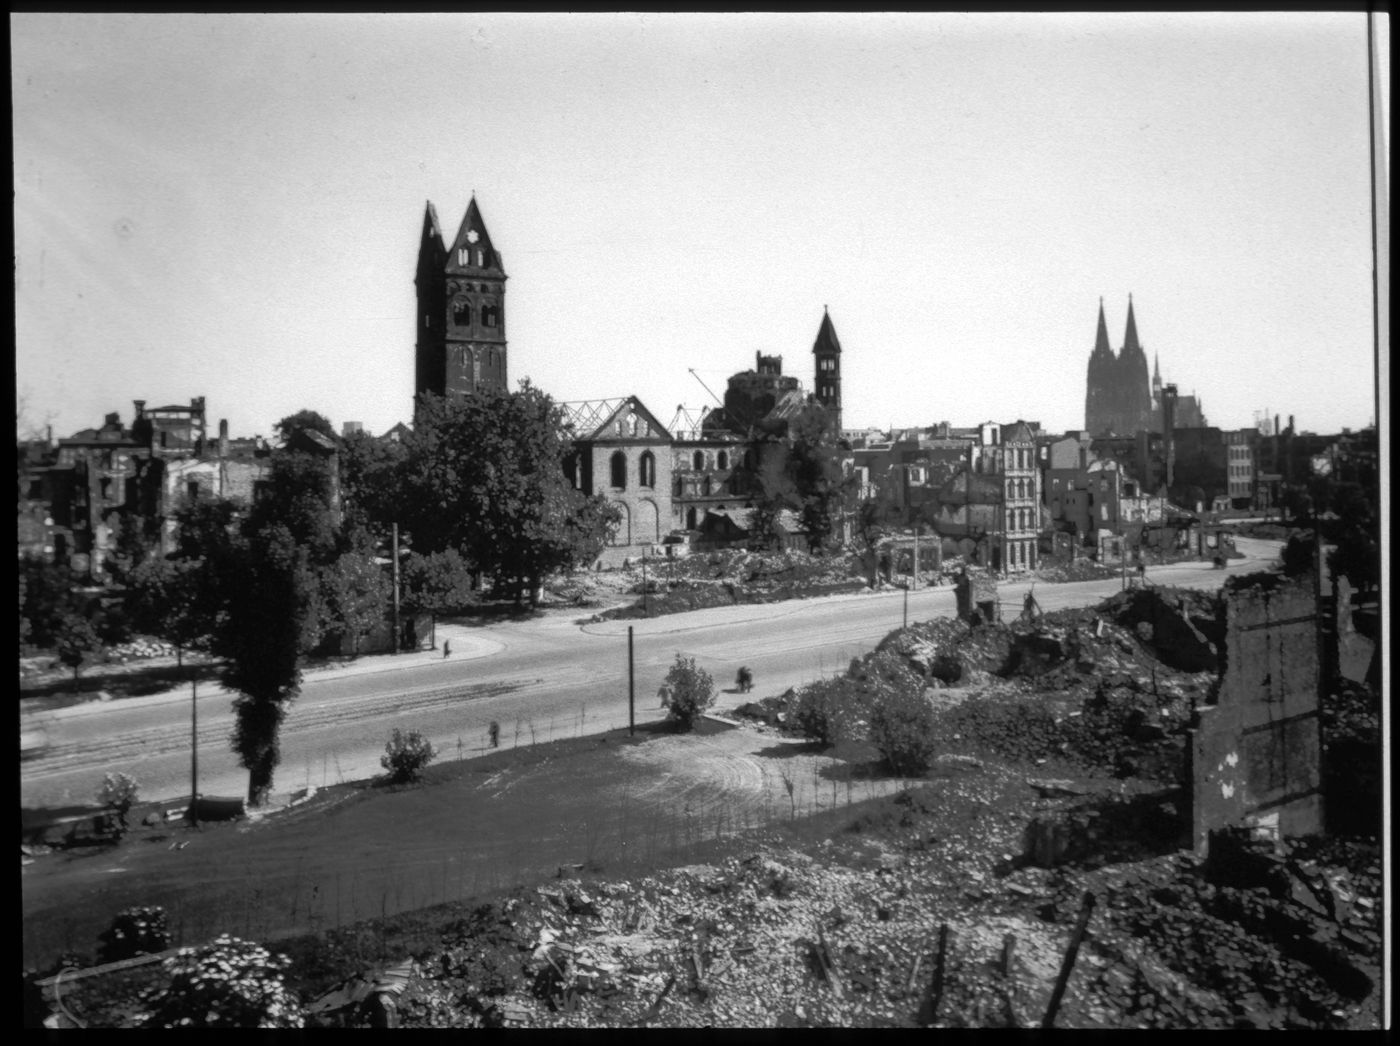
column 936, row 907
column 729, row 577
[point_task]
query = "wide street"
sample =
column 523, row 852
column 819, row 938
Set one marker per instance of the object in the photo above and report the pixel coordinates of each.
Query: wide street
column 539, row 679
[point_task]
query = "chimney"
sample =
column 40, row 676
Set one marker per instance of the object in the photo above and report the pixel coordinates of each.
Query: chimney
column 140, row 408
column 223, row 437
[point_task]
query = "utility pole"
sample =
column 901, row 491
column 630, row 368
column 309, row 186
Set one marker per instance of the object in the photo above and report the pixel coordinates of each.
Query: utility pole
column 631, row 689
column 194, row 749
column 395, row 554
column 644, row 580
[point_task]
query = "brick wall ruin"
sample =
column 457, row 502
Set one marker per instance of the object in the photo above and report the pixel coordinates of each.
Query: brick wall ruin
column 1256, row 753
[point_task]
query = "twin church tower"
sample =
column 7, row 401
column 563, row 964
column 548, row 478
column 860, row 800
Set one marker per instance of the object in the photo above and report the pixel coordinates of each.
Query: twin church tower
column 461, row 324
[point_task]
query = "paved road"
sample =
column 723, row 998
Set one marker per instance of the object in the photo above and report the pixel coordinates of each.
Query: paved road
column 540, row 679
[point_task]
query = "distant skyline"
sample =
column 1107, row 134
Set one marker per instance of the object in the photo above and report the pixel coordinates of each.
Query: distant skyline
column 229, row 206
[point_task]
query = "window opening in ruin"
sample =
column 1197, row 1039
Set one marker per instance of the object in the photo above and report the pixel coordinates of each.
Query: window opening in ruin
column 723, row 459
column 619, row 468
column 490, row 316
column 698, row 461
column 462, row 313
column 646, row 470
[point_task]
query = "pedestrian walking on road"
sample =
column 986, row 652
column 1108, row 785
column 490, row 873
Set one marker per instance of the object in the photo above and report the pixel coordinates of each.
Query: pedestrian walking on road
column 446, row 647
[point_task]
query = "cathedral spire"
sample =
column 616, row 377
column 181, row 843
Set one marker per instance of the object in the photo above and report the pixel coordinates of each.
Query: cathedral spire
column 1156, row 373
column 1101, row 346
column 1130, row 338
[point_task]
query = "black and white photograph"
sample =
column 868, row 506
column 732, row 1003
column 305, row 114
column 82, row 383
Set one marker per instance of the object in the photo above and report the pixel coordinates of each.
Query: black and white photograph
column 736, row 520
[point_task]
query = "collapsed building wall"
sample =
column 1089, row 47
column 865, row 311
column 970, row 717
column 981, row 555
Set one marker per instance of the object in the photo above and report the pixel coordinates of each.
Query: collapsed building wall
column 1256, row 753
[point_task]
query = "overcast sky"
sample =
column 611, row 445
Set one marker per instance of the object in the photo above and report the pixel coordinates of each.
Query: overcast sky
column 230, row 206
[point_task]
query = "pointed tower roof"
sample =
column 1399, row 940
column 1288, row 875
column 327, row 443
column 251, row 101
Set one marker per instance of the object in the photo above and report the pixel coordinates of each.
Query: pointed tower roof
column 431, row 252
column 473, row 237
column 826, row 336
column 1130, row 338
column 1156, row 370
column 431, row 229
column 1101, row 346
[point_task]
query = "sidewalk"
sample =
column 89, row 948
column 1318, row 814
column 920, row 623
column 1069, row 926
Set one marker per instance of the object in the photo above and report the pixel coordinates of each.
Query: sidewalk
column 467, row 645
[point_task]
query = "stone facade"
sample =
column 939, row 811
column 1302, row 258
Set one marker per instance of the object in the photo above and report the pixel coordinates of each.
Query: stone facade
column 622, row 452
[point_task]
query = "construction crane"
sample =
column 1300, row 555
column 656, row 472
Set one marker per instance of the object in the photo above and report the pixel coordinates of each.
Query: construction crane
column 706, row 387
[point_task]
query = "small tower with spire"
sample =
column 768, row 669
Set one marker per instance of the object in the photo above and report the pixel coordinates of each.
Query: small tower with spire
column 461, row 309
column 827, row 351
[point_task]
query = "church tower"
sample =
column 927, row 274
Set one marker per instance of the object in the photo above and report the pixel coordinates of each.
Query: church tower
column 461, row 309
column 827, row 350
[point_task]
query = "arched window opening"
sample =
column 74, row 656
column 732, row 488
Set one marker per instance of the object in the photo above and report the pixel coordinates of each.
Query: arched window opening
column 462, row 313
column 705, row 486
column 698, row 461
column 619, row 470
column 646, row 470
column 490, row 316
column 724, row 459
column 690, row 518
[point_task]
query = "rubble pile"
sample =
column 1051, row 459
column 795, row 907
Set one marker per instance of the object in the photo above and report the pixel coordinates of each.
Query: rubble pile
column 724, row 578
column 925, row 911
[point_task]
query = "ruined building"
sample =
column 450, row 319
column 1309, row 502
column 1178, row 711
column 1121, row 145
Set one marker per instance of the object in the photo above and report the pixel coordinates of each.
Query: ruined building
column 461, row 321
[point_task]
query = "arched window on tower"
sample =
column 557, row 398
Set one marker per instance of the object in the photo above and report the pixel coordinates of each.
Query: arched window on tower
column 619, row 470
column 698, row 461
column 462, row 312
column 490, row 316
column 646, row 470
column 724, row 459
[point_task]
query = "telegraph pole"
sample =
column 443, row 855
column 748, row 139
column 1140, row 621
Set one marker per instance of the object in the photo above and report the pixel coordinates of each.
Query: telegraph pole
column 395, row 552
column 194, row 749
column 631, row 689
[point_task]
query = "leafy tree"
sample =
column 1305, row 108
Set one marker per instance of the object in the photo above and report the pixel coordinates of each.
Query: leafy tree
column 802, row 472
column 300, row 495
column 902, row 728
column 77, row 640
column 485, row 475
column 46, row 595
column 118, row 794
column 204, row 525
column 301, row 420
column 136, row 538
column 406, row 756
column 436, row 583
column 371, row 479
column 355, row 592
column 823, row 710
column 170, row 598
column 268, row 590
column 691, row 690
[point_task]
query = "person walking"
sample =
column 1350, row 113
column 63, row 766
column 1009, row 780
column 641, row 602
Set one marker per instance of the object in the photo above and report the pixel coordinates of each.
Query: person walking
column 446, row 647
